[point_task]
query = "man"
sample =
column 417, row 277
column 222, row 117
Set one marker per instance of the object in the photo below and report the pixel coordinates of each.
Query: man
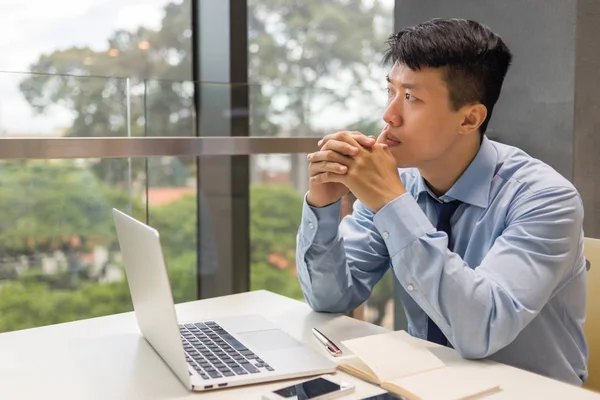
column 485, row 241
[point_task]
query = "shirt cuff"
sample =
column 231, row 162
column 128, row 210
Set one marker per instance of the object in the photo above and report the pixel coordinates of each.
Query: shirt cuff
column 401, row 222
column 320, row 224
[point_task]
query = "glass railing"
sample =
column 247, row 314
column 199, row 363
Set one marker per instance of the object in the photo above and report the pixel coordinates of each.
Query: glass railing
column 40, row 105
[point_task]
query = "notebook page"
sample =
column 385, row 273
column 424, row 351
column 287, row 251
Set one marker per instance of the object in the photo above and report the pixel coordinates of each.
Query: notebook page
column 393, row 355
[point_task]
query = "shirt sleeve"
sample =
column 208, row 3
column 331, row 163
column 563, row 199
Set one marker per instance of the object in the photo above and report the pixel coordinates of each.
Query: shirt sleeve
column 481, row 310
column 339, row 263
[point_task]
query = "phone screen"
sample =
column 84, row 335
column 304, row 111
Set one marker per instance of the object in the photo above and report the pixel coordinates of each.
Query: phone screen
column 309, row 389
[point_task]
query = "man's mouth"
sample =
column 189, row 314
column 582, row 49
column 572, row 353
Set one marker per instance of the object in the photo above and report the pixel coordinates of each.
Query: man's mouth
column 391, row 141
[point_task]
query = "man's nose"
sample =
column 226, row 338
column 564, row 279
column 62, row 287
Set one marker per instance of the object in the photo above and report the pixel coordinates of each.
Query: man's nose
column 393, row 113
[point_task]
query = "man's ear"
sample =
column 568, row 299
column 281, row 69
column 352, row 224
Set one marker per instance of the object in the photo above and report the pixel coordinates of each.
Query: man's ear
column 473, row 117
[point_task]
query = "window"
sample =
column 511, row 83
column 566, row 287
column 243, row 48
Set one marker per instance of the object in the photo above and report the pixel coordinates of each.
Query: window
column 91, row 68
column 314, row 68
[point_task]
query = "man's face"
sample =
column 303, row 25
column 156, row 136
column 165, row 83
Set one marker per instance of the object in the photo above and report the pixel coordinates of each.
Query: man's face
column 421, row 125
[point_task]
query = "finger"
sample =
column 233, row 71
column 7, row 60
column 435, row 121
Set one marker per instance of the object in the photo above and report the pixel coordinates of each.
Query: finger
column 328, row 177
column 359, row 137
column 382, row 137
column 326, row 167
column 385, row 148
column 342, row 148
column 365, row 141
column 331, row 136
column 330, row 155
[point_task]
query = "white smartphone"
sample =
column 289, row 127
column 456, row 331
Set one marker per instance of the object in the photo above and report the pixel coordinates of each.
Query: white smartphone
column 324, row 387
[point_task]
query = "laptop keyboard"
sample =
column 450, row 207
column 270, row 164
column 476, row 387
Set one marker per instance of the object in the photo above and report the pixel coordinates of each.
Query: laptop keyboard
column 214, row 353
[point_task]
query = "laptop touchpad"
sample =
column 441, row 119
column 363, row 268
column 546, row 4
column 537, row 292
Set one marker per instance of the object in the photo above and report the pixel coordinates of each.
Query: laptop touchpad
column 272, row 339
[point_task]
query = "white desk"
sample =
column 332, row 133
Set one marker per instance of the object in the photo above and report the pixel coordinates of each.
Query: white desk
column 106, row 358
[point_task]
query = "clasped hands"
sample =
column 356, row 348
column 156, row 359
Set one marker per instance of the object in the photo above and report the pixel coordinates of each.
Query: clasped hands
column 355, row 162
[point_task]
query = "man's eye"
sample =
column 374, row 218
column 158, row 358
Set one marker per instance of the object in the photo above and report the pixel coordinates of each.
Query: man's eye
column 408, row 96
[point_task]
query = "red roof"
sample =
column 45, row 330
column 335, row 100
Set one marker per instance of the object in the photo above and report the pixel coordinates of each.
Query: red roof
column 166, row 195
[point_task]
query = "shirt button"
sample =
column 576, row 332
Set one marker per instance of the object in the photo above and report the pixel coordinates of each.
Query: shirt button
column 410, row 288
column 386, row 235
column 311, row 225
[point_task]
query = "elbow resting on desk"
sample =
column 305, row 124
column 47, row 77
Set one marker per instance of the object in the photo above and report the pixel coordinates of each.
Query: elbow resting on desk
column 322, row 300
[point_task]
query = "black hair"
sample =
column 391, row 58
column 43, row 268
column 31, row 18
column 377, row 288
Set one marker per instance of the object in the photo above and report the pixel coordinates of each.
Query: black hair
column 475, row 59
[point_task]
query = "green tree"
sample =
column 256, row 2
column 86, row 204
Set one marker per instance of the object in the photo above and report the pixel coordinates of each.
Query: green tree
column 153, row 64
column 304, row 48
column 55, row 206
column 26, row 305
column 275, row 212
column 93, row 83
column 176, row 223
column 48, row 206
column 62, row 207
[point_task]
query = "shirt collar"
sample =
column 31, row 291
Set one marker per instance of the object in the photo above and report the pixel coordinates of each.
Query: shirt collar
column 473, row 186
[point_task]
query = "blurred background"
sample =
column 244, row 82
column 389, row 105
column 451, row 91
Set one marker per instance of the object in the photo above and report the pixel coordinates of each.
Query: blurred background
column 282, row 70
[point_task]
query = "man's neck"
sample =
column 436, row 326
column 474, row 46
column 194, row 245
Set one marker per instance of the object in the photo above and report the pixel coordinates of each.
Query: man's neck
column 443, row 173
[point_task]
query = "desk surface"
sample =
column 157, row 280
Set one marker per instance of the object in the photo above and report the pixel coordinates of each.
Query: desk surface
column 106, row 358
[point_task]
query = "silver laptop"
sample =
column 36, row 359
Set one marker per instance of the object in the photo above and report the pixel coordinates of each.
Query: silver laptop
column 205, row 355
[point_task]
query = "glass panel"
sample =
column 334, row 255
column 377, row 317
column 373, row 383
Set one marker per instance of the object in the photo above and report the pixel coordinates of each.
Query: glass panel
column 301, row 112
column 320, row 71
column 172, row 206
column 60, row 259
column 327, row 55
column 275, row 211
column 169, row 108
column 127, row 38
column 172, row 191
column 37, row 105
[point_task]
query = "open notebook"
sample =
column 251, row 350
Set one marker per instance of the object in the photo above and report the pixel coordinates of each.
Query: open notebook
column 403, row 365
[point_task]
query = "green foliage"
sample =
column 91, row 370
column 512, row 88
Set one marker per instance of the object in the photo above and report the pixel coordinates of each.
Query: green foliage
column 302, row 51
column 275, row 213
column 44, row 205
column 24, row 304
column 36, row 298
column 382, row 293
column 316, row 40
column 182, row 275
column 265, row 276
column 176, row 223
column 56, row 207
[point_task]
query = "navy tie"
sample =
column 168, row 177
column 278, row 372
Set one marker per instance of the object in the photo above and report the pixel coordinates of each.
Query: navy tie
column 445, row 211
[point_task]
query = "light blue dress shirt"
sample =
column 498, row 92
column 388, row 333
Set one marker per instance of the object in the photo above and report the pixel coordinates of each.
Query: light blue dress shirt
column 513, row 290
